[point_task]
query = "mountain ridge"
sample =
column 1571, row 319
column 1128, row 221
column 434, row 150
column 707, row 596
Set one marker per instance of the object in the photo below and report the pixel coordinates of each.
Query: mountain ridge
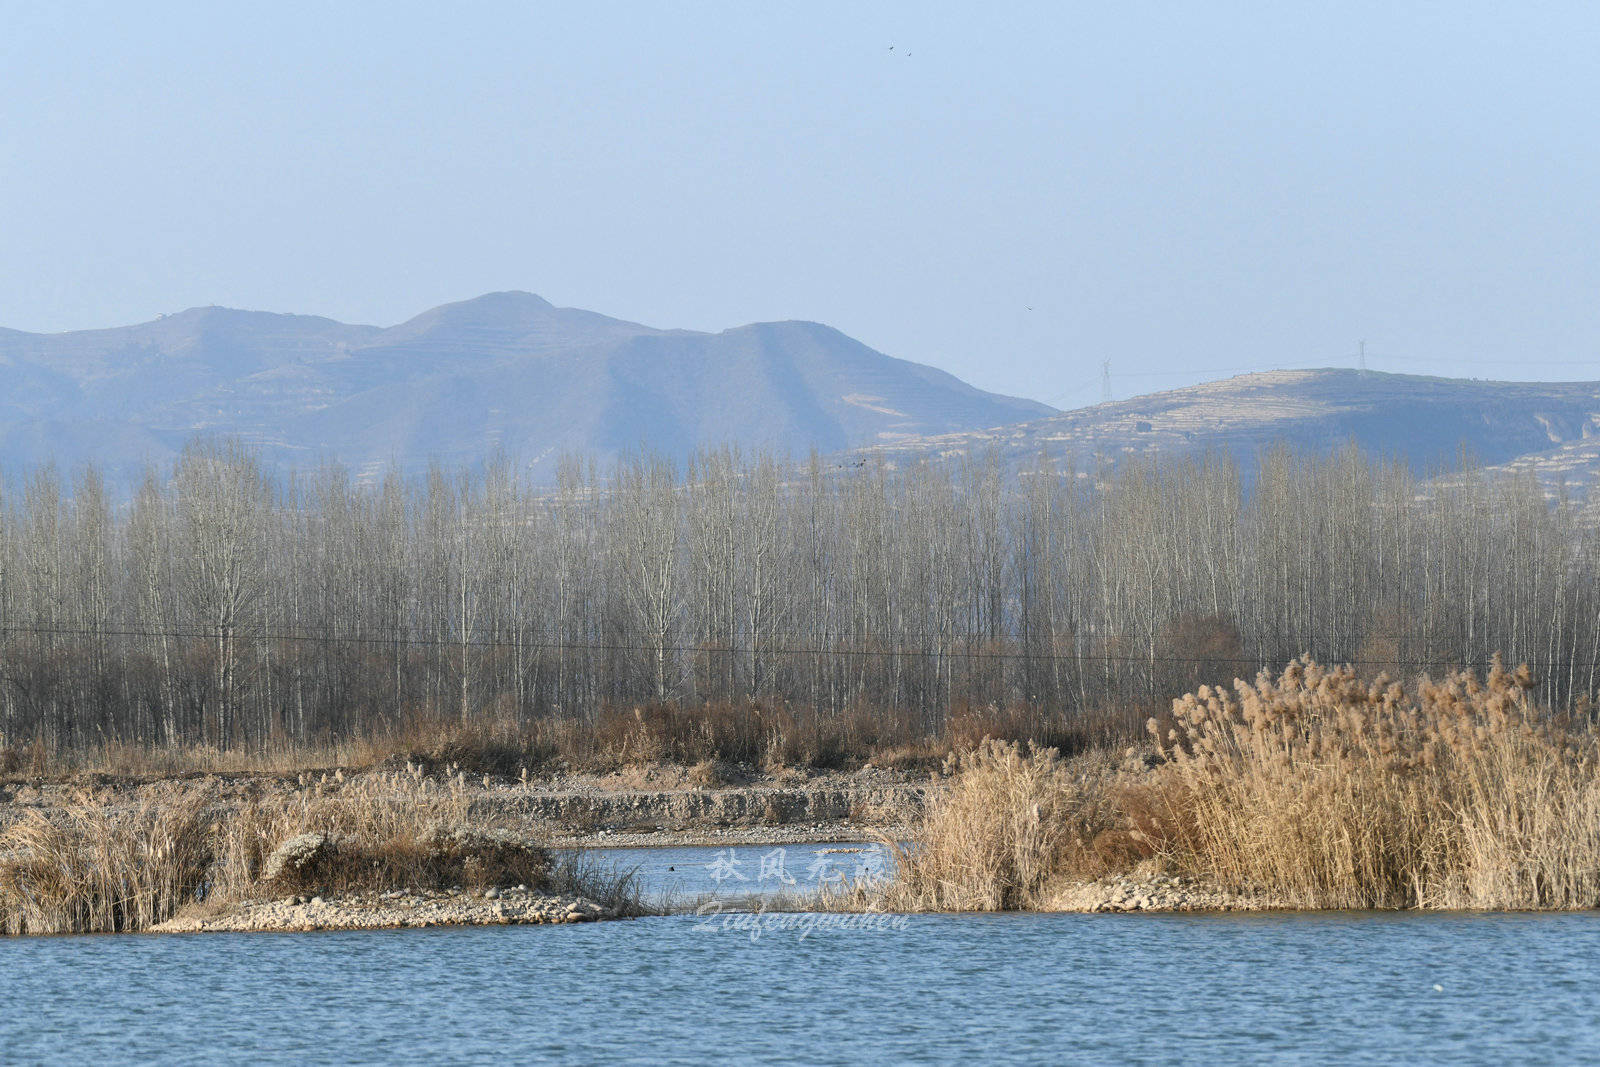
column 504, row 371
column 511, row 372
column 1422, row 420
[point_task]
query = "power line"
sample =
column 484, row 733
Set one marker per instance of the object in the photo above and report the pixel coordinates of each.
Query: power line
column 1442, row 660
column 896, row 636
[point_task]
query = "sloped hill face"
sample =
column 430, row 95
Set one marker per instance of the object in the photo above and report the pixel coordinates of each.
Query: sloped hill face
column 155, row 363
column 505, row 371
column 1424, row 422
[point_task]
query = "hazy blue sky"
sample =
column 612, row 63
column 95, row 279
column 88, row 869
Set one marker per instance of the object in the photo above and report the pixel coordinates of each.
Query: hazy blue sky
column 1185, row 189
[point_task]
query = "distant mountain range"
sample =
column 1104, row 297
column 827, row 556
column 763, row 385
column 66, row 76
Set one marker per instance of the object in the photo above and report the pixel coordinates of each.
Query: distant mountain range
column 504, row 371
column 510, row 371
column 1549, row 428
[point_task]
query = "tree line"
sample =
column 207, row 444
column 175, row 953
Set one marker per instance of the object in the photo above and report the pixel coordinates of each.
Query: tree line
column 224, row 605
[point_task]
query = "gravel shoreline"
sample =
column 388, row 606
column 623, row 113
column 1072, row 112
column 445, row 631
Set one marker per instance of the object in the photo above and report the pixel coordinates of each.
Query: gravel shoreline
column 391, row 911
column 1135, row 893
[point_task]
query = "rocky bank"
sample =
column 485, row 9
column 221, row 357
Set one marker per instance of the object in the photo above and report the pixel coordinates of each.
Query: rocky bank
column 1140, row 891
column 396, row 909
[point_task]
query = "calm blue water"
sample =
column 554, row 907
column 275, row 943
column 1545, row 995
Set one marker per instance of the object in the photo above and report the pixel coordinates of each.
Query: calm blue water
column 683, row 989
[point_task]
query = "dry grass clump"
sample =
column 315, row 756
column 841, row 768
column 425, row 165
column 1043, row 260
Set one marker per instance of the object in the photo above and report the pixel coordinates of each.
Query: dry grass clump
column 713, row 774
column 1331, row 792
column 671, row 733
column 382, row 831
column 1012, row 819
column 613, row 887
column 16, row 758
column 93, row 866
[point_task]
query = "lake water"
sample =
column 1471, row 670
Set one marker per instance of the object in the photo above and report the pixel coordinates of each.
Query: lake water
column 684, row 989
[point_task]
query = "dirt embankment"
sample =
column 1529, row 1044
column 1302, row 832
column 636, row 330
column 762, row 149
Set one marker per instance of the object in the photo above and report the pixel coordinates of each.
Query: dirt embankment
column 598, row 812
column 656, row 806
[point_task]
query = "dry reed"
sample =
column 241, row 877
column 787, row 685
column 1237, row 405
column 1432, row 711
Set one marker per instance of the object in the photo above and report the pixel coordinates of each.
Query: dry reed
column 1012, row 819
column 1314, row 788
column 1331, row 792
column 95, row 866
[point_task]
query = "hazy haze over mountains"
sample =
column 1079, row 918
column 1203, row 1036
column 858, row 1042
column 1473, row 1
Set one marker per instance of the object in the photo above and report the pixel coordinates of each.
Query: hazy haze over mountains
column 505, row 370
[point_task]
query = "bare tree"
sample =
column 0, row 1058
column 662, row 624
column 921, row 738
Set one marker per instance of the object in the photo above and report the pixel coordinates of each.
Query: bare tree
column 224, row 506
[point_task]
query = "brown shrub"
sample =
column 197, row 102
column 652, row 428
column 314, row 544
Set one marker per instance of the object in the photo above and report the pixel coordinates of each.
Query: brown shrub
column 434, row 857
column 1067, row 731
column 923, row 757
column 675, row 733
column 1193, row 648
column 493, row 747
column 772, row 737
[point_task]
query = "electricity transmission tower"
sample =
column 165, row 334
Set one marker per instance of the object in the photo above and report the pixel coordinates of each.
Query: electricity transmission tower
column 1105, row 382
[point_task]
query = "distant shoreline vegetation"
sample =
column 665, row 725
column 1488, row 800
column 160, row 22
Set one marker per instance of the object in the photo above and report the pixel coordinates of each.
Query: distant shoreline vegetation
column 748, row 609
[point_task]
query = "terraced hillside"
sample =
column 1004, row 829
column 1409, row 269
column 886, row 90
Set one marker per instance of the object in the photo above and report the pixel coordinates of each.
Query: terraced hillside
column 1551, row 428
